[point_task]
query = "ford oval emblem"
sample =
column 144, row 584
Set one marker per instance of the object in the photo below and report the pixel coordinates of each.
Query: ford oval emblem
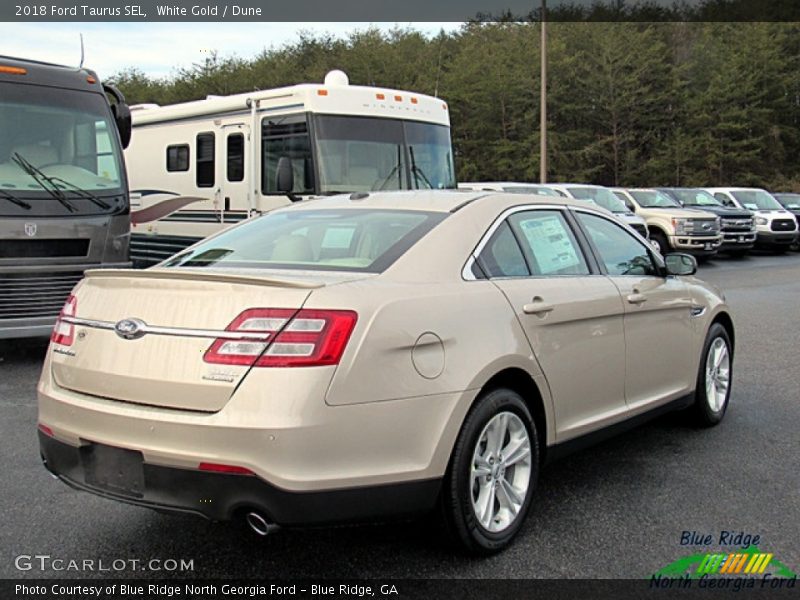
column 130, row 329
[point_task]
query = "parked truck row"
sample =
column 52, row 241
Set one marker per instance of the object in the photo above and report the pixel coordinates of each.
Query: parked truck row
column 68, row 203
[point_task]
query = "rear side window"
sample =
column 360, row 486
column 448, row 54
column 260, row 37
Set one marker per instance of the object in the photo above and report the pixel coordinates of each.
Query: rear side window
column 178, row 157
column 324, row 240
column 205, row 160
column 502, row 255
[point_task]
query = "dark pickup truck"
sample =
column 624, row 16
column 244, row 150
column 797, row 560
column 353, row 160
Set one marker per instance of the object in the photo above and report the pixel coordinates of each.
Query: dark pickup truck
column 736, row 225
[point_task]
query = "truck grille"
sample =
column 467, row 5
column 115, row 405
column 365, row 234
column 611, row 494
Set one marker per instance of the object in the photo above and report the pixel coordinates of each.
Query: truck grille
column 783, row 225
column 703, row 227
column 29, row 295
column 737, row 224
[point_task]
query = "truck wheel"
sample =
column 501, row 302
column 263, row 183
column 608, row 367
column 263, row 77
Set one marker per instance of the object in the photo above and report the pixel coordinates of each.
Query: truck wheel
column 661, row 240
column 714, row 378
column 493, row 470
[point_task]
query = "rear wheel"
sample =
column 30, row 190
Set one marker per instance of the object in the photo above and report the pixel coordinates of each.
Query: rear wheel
column 714, row 378
column 492, row 474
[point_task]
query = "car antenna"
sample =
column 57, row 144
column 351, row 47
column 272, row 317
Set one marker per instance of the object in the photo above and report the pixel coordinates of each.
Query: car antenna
column 80, row 66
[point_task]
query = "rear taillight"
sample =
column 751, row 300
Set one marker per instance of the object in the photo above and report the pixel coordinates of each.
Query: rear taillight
column 294, row 338
column 45, row 430
column 64, row 333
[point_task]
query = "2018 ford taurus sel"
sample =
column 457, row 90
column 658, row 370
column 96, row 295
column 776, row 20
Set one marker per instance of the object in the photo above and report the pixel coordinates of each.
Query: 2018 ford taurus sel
column 361, row 356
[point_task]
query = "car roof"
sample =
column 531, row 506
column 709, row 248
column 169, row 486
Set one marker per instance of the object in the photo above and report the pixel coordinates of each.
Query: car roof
column 426, row 200
column 734, row 189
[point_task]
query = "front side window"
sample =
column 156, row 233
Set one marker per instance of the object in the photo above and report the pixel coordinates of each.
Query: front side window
column 548, row 243
column 620, row 252
column 286, row 137
column 315, row 240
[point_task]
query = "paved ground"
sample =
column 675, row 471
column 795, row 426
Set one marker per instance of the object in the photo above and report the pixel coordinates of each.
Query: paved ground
column 617, row 510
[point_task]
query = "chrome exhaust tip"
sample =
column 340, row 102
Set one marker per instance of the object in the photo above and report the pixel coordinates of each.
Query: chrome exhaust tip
column 259, row 524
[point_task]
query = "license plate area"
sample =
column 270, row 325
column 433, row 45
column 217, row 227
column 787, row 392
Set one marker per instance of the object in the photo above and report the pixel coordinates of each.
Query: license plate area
column 114, row 469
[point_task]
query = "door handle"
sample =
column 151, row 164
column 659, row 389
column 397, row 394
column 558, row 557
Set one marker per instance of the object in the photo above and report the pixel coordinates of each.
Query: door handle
column 537, row 307
column 637, row 298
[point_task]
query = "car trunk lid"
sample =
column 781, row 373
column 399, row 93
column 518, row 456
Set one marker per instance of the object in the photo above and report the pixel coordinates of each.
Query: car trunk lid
column 182, row 312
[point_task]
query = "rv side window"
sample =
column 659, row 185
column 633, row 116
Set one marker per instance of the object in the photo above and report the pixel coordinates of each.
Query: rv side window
column 286, row 137
column 178, row 157
column 205, row 160
column 236, row 157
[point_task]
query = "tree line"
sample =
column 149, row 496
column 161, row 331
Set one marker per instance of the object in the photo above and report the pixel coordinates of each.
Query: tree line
column 629, row 103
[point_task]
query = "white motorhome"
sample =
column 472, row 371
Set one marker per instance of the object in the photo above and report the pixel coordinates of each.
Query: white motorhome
column 197, row 167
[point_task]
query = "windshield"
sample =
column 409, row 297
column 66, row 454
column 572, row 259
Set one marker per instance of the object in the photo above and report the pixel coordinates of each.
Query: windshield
column 360, row 154
column 59, row 153
column 321, row 240
column 653, row 199
column 696, row 198
column 601, row 197
column 790, row 201
column 756, row 200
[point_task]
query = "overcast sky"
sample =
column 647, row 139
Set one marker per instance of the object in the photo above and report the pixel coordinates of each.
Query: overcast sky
column 159, row 48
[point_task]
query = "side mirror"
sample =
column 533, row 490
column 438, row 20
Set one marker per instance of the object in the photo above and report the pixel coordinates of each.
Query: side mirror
column 121, row 112
column 680, row 264
column 285, row 175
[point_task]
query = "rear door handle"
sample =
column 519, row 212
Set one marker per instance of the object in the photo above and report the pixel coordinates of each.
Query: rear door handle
column 537, row 307
column 637, row 298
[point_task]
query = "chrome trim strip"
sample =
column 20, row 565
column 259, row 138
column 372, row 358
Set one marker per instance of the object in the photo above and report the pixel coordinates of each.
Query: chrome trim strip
column 172, row 331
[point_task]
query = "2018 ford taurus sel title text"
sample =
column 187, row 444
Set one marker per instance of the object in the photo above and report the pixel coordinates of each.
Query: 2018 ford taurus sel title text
column 362, row 356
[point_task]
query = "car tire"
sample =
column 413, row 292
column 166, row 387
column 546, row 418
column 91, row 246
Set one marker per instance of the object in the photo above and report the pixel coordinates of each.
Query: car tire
column 660, row 239
column 714, row 378
column 485, row 496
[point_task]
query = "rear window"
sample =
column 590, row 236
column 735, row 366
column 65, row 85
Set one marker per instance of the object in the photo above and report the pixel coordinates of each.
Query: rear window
column 325, row 240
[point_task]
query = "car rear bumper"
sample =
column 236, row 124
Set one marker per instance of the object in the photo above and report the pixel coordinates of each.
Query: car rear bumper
column 222, row 496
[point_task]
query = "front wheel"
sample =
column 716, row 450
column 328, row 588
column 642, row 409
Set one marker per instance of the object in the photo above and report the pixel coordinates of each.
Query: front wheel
column 714, row 377
column 492, row 474
column 661, row 241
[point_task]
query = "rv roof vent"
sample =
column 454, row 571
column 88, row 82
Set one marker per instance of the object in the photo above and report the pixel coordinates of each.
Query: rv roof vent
column 336, row 77
column 143, row 106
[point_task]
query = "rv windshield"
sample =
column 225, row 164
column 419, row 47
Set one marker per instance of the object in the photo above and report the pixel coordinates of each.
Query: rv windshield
column 59, row 153
column 362, row 154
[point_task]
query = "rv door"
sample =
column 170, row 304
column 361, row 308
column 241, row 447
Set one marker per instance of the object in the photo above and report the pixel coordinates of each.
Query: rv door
column 235, row 166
